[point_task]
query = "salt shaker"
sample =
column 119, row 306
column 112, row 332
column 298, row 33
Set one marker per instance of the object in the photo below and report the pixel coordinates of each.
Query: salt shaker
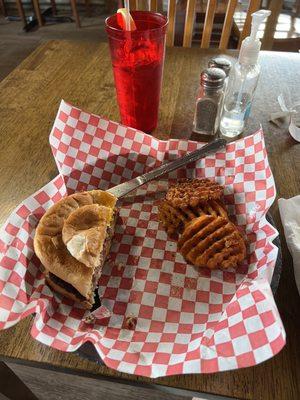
column 209, row 102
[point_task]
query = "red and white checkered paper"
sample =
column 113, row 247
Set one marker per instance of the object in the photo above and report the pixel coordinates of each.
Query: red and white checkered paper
column 188, row 320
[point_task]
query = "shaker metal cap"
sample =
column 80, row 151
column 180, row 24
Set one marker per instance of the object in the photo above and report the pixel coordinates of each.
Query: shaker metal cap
column 220, row 62
column 213, row 78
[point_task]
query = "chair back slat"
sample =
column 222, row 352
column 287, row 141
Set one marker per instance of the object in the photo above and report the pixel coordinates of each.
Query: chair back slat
column 171, row 25
column 208, row 23
column 211, row 6
column 228, row 21
column 275, row 6
column 189, row 23
column 153, row 5
column 143, row 5
column 133, row 5
column 254, row 5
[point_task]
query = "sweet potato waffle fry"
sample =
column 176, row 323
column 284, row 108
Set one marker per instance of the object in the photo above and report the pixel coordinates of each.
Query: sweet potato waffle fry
column 213, row 242
column 174, row 219
column 194, row 209
column 192, row 192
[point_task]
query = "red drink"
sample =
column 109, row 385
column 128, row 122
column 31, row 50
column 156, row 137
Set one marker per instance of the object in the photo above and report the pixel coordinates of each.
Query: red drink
column 137, row 59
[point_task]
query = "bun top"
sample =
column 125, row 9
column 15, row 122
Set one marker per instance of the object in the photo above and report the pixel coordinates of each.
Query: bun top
column 69, row 237
column 84, row 232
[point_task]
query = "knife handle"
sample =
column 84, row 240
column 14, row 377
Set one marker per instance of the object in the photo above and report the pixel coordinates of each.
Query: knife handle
column 127, row 187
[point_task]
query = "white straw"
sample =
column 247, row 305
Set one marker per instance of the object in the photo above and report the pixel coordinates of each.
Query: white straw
column 127, row 15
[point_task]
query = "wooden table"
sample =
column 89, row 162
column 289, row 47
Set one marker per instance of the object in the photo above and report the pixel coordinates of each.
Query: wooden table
column 81, row 74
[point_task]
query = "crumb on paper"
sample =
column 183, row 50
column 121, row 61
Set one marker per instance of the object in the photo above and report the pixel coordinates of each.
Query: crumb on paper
column 106, row 313
column 190, row 283
column 90, row 319
column 110, row 263
column 130, row 322
column 120, row 266
column 99, row 313
column 175, row 291
column 135, row 259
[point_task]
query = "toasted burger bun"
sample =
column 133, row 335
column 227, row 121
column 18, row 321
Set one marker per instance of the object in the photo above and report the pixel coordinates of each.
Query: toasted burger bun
column 84, row 233
column 81, row 219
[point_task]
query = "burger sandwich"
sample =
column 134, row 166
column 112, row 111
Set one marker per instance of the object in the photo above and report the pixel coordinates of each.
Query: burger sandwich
column 72, row 241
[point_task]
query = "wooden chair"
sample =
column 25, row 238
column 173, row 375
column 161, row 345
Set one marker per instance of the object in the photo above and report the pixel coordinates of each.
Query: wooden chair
column 75, row 11
column 3, row 8
column 211, row 6
column 143, row 5
column 39, row 16
column 275, row 6
column 21, row 11
column 254, row 5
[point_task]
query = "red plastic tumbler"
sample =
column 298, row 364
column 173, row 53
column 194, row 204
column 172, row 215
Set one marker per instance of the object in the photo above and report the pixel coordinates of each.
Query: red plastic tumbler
column 137, row 59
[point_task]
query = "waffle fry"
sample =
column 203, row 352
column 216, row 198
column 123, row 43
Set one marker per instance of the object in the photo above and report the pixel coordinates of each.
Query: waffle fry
column 192, row 192
column 174, row 219
column 213, row 242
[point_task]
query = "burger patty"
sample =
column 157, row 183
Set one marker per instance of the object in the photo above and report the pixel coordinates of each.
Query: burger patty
column 65, row 285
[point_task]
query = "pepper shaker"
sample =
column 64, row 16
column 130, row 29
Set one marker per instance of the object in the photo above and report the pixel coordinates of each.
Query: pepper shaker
column 209, row 102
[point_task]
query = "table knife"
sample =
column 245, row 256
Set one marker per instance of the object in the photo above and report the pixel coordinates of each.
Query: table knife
column 124, row 188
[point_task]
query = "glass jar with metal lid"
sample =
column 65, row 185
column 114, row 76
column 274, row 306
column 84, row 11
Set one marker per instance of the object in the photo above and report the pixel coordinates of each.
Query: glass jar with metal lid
column 209, row 102
column 220, row 62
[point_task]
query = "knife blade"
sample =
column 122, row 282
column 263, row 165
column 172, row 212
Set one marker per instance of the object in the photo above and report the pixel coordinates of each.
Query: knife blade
column 124, row 188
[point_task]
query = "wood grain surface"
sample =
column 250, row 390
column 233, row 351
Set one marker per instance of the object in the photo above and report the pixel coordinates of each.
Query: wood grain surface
column 44, row 385
column 81, row 74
